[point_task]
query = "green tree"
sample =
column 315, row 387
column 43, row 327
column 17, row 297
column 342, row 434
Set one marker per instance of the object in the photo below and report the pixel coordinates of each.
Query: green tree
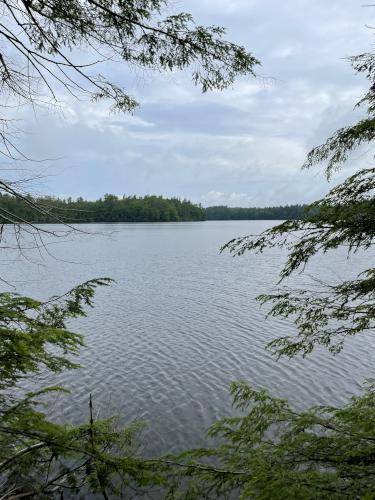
column 266, row 213
column 110, row 209
column 40, row 458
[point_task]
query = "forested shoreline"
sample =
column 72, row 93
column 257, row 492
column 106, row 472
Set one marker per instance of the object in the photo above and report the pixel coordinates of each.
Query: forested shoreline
column 111, row 208
column 252, row 213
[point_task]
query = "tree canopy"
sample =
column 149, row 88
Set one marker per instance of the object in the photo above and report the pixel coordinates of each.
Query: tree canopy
column 110, row 208
column 221, row 212
column 148, row 208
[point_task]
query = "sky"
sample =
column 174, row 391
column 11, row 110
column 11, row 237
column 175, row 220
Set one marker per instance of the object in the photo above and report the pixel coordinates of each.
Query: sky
column 240, row 147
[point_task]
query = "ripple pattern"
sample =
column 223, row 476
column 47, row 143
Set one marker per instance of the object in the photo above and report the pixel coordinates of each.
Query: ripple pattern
column 180, row 324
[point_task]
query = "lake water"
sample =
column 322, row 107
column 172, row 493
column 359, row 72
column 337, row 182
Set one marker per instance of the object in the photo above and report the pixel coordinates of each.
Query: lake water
column 180, row 324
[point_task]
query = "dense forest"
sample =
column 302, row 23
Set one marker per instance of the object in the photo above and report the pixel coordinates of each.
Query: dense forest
column 111, row 208
column 266, row 213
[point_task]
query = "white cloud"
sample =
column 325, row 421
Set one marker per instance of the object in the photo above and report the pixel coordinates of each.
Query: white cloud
column 285, row 51
column 222, row 198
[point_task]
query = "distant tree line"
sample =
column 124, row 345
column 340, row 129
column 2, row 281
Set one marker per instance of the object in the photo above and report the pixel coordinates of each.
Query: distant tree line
column 112, row 208
column 268, row 213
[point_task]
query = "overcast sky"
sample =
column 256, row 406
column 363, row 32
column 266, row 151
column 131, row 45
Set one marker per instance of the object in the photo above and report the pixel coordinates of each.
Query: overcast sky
column 240, row 147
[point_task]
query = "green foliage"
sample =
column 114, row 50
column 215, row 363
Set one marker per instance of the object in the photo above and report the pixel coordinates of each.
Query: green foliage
column 267, row 213
column 29, row 327
column 109, row 209
column 275, row 452
column 40, row 458
column 41, row 35
column 324, row 314
column 337, row 149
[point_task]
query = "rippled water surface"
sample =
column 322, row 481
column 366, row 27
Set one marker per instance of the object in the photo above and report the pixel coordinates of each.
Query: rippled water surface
column 181, row 323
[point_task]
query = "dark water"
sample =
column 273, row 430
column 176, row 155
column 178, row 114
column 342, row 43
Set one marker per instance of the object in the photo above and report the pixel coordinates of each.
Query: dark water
column 181, row 323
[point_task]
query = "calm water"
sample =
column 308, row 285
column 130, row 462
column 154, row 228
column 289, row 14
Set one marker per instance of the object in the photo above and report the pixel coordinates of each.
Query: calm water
column 180, row 324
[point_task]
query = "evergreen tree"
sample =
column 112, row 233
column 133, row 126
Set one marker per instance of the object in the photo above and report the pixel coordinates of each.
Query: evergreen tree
column 110, row 209
column 39, row 458
column 267, row 213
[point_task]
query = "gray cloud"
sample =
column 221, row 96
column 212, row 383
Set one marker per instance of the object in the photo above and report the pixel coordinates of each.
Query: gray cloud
column 243, row 146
